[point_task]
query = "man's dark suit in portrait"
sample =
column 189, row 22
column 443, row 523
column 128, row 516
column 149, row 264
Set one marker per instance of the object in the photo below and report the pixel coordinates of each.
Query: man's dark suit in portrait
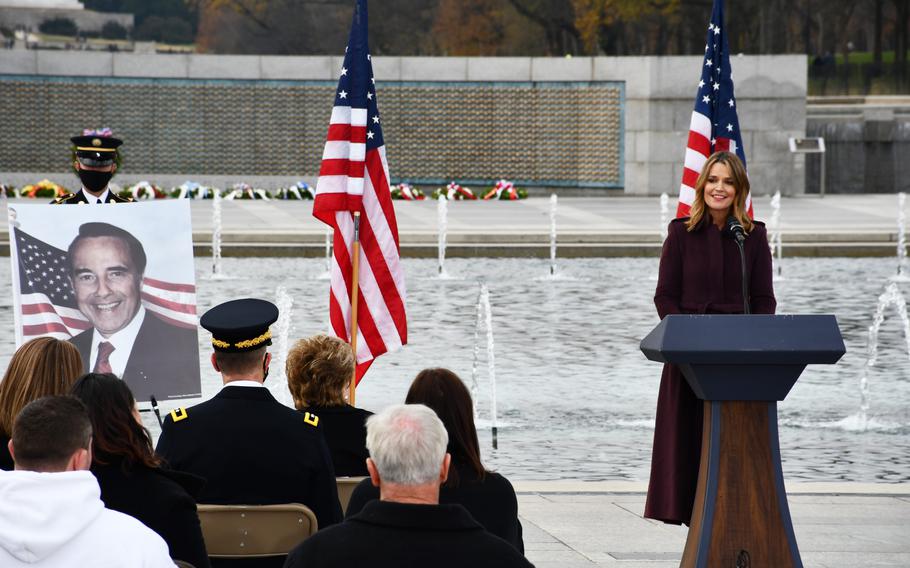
column 250, row 448
column 96, row 159
column 106, row 264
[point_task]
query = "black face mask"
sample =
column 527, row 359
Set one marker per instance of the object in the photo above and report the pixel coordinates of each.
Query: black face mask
column 95, row 181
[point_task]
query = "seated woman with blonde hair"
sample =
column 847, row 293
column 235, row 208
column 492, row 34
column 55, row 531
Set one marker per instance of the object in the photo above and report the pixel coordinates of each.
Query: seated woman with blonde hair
column 41, row 367
column 319, row 371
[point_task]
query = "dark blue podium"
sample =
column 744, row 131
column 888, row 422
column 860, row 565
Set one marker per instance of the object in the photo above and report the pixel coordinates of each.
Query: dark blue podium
column 741, row 365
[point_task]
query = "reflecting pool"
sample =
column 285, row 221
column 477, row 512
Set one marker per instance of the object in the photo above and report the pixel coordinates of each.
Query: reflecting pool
column 576, row 397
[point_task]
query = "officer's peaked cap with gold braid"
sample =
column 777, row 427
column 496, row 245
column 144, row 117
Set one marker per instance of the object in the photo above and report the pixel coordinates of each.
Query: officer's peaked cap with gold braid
column 240, row 325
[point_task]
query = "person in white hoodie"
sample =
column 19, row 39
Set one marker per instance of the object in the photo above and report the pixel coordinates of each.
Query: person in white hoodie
column 51, row 513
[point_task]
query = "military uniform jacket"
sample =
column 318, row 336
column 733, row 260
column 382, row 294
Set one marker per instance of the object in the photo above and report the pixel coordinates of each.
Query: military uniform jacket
column 80, row 197
column 345, row 431
column 403, row 535
column 252, row 450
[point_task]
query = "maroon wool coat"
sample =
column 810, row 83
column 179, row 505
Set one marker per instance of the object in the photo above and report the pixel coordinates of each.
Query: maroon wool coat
column 700, row 273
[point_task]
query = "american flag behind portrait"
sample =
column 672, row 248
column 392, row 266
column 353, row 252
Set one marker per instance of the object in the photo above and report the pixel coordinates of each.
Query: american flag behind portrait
column 354, row 176
column 48, row 304
column 714, row 125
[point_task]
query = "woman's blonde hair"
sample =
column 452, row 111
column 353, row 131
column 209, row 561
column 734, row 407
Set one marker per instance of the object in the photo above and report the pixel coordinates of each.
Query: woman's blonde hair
column 42, row 367
column 318, row 370
column 740, row 182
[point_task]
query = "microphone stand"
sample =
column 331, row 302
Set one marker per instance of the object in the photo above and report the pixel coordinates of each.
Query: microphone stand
column 739, row 235
column 742, row 259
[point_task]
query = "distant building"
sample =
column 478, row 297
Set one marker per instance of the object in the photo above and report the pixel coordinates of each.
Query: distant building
column 29, row 14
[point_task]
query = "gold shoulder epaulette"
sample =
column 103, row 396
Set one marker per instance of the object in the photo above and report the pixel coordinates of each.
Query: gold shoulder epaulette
column 62, row 198
column 178, row 414
column 311, row 419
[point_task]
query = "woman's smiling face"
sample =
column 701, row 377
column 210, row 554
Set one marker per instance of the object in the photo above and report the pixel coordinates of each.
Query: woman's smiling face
column 719, row 189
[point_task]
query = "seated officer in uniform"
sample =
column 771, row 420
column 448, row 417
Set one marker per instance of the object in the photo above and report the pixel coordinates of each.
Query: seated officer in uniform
column 249, row 447
column 96, row 163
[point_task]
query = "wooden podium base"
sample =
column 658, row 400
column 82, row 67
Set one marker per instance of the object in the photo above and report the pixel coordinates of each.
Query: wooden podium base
column 740, row 518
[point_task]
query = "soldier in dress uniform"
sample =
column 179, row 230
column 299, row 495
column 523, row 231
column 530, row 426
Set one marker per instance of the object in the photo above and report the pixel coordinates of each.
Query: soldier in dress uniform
column 95, row 164
column 250, row 448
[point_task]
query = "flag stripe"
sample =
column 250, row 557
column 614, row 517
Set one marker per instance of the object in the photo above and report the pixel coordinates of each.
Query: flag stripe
column 354, row 177
column 170, row 286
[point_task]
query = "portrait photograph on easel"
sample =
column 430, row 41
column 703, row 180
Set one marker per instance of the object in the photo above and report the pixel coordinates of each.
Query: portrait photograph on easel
column 108, row 280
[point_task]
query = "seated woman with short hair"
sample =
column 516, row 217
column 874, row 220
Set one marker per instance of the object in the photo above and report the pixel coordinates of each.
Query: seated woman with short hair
column 131, row 476
column 487, row 495
column 319, row 371
column 41, row 367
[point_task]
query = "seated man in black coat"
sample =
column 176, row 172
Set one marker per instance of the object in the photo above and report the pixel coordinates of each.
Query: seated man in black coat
column 250, row 448
column 407, row 526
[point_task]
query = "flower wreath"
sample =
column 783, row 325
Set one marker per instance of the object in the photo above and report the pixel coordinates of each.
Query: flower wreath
column 453, row 191
column 407, row 192
column 44, row 188
column 504, row 189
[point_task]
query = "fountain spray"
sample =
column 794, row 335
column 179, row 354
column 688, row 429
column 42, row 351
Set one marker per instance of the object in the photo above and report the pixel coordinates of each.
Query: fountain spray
column 478, row 319
column 774, row 237
column 901, row 233
column 216, row 233
column 553, row 204
column 442, row 215
column 491, row 362
column 279, row 386
column 890, row 297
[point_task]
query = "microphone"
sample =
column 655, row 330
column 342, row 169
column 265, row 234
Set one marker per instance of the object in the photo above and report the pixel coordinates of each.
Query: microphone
column 735, row 229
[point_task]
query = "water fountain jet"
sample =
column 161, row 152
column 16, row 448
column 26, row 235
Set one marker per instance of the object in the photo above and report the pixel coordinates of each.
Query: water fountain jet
column 442, row 219
column 553, row 205
column 890, row 297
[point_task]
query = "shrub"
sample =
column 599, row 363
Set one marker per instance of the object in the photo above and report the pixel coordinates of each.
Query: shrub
column 113, row 30
column 166, row 30
column 59, row 26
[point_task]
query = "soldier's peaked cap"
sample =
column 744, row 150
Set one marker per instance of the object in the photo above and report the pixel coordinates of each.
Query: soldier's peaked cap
column 96, row 150
column 240, row 325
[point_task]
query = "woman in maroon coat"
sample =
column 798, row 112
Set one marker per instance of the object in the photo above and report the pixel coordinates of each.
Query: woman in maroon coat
column 701, row 273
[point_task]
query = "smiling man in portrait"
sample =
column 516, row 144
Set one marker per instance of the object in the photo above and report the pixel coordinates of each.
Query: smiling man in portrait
column 106, row 265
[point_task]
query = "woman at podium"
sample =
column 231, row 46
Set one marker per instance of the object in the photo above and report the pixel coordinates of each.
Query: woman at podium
column 701, row 273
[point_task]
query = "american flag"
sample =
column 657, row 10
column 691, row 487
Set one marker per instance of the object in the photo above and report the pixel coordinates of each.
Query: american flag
column 355, row 177
column 714, row 126
column 48, row 304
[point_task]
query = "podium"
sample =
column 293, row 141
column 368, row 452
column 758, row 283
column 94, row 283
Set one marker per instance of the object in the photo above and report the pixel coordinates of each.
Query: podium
column 741, row 365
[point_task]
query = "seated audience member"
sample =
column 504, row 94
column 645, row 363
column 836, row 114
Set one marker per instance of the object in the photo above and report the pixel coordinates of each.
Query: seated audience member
column 250, row 448
column 407, row 526
column 43, row 366
column 319, row 371
column 129, row 473
column 488, row 496
column 51, row 514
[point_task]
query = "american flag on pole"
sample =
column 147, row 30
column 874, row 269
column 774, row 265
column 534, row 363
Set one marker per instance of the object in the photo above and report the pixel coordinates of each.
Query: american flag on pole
column 48, row 305
column 354, row 176
column 714, row 126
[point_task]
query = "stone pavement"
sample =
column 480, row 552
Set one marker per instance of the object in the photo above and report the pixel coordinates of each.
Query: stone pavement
column 836, row 225
column 586, row 525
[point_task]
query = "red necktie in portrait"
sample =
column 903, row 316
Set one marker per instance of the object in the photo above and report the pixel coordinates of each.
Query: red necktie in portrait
column 103, row 363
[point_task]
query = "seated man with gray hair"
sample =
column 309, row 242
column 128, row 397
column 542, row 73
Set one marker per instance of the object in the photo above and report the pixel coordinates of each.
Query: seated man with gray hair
column 407, row 526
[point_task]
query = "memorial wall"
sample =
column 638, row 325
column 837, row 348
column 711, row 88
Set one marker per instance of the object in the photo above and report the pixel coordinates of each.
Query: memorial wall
column 587, row 123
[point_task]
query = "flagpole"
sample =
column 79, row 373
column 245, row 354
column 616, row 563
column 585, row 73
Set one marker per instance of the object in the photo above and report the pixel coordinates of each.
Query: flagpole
column 354, row 295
